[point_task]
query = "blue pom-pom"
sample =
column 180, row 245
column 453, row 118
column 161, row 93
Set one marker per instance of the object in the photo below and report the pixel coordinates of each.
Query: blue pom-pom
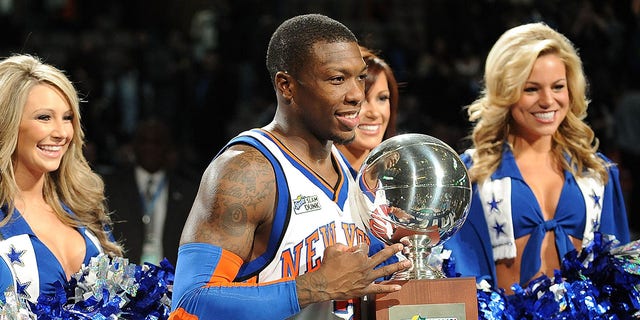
column 107, row 289
column 600, row 282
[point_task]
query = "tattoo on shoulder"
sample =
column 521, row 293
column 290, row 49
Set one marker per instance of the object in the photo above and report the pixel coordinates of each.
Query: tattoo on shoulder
column 248, row 182
column 234, row 215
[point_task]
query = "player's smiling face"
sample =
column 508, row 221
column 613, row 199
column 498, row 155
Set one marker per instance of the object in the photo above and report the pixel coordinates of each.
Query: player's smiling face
column 330, row 89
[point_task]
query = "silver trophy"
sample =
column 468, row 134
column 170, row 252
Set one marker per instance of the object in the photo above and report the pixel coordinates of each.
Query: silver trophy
column 414, row 187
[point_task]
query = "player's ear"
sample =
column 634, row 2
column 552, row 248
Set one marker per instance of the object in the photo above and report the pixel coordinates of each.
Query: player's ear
column 284, row 83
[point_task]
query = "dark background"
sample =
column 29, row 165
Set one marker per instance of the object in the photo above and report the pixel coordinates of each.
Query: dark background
column 200, row 64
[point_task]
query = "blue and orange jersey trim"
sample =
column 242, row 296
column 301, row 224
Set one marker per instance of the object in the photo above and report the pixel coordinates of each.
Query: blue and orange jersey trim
column 337, row 193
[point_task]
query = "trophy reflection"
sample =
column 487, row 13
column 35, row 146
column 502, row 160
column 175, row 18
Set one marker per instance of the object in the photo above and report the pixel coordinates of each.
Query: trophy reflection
column 414, row 188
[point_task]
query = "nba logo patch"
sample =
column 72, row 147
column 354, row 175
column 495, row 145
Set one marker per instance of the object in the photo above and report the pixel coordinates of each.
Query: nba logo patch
column 303, row 204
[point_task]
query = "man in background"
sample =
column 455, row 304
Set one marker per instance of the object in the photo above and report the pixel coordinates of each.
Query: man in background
column 149, row 198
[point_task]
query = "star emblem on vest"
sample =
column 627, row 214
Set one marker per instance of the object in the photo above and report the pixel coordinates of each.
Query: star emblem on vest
column 15, row 256
column 596, row 199
column 494, row 204
column 303, row 204
column 499, row 228
column 22, row 288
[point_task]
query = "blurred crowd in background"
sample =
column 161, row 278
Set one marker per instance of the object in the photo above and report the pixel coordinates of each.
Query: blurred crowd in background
column 199, row 65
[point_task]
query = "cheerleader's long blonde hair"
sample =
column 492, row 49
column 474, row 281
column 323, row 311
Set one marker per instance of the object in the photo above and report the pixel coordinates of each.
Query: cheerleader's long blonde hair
column 74, row 183
column 507, row 68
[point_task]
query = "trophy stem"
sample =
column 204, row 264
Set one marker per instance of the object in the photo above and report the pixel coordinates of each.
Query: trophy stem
column 418, row 254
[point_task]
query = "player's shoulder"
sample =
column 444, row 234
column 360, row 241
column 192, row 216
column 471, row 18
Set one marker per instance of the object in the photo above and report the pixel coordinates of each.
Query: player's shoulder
column 240, row 163
column 243, row 156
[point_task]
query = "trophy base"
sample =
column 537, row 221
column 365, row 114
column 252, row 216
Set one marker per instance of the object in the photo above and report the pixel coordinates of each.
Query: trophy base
column 449, row 298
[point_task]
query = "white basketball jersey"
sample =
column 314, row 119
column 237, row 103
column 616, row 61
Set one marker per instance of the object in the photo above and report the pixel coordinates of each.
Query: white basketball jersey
column 310, row 214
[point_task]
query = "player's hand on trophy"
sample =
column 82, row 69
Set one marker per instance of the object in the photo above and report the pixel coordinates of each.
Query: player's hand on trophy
column 348, row 272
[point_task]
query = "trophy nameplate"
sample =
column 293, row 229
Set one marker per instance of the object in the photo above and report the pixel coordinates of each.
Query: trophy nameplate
column 429, row 299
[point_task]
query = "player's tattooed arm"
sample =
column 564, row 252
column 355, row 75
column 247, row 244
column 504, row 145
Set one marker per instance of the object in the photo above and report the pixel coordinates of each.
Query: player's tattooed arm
column 237, row 194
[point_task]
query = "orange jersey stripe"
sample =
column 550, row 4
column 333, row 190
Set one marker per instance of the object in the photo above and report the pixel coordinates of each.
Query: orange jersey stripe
column 228, row 268
column 181, row 314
